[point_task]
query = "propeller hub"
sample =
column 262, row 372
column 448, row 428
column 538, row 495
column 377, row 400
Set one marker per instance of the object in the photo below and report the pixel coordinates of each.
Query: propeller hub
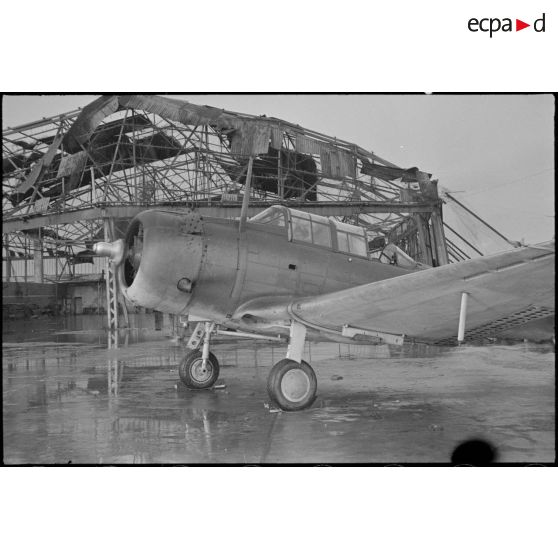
column 112, row 250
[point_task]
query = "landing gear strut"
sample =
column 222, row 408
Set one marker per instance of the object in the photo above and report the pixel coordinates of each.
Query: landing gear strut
column 292, row 383
column 199, row 369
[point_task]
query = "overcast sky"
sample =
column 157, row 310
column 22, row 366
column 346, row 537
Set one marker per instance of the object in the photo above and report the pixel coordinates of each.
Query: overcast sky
column 495, row 151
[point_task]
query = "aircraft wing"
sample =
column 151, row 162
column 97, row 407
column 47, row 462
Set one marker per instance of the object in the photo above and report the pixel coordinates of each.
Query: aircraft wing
column 504, row 290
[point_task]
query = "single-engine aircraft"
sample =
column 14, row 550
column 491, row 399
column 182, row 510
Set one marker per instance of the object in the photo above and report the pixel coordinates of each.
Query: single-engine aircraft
column 290, row 275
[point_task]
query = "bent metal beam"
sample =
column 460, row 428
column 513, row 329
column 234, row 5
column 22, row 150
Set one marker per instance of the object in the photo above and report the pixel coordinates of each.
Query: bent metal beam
column 228, row 211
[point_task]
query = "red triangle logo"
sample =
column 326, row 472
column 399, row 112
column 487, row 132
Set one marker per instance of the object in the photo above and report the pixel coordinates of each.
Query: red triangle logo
column 519, row 25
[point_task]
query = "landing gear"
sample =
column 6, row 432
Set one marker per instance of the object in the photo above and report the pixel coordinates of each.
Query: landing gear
column 199, row 369
column 292, row 383
column 194, row 374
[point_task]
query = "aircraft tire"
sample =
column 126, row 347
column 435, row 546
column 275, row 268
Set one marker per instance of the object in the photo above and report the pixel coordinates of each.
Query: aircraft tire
column 292, row 386
column 191, row 374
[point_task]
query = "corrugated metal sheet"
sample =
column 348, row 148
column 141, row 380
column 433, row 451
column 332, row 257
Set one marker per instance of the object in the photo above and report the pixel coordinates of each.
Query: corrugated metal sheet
column 276, row 137
column 337, row 164
column 72, row 163
column 171, row 109
column 41, row 205
column 52, row 149
column 49, row 267
column 87, row 268
column 18, row 268
column 180, row 111
column 304, row 144
column 89, row 118
column 348, row 164
column 166, row 108
column 394, row 173
column 40, row 166
column 260, row 138
column 29, row 182
column 252, row 138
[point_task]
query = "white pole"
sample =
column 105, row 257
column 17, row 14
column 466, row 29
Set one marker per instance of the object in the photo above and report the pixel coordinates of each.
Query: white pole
column 462, row 316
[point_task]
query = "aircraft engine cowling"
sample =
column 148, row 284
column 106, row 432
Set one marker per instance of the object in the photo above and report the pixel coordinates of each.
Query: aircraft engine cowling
column 163, row 252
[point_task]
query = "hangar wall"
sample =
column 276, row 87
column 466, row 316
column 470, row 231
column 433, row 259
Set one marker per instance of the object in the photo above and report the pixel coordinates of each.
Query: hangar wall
column 25, row 299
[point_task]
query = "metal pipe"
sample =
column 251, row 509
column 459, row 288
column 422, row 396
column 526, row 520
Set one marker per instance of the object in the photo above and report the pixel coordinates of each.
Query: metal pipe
column 280, row 185
column 466, row 241
column 246, row 199
column 462, row 317
column 457, row 250
column 93, row 189
column 440, row 239
column 481, row 220
column 249, row 335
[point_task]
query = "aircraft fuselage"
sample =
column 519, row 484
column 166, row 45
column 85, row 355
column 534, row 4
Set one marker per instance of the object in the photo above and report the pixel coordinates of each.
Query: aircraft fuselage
column 207, row 268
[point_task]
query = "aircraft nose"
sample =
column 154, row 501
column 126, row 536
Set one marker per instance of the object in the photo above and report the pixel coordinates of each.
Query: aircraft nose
column 163, row 253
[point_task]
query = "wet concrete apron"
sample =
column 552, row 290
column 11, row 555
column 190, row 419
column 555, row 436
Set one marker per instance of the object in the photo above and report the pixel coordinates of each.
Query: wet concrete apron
column 80, row 403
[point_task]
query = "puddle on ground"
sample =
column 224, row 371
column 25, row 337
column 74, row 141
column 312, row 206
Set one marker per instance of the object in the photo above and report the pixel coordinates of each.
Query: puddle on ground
column 67, row 398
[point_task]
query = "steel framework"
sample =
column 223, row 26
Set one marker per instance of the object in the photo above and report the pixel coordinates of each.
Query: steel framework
column 69, row 177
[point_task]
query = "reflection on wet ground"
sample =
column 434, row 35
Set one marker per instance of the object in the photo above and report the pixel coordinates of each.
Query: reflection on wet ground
column 75, row 401
column 89, row 329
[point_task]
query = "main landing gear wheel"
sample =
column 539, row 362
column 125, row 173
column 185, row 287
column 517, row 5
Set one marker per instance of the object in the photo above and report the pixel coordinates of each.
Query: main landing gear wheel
column 193, row 375
column 292, row 386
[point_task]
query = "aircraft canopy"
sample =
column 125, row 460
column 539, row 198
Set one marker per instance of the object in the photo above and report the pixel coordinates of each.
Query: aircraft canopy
column 315, row 229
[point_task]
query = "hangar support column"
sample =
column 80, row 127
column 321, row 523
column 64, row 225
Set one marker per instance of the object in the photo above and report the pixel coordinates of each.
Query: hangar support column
column 423, row 237
column 112, row 291
column 430, row 237
column 38, row 259
column 8, row 268
column 439, row 237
